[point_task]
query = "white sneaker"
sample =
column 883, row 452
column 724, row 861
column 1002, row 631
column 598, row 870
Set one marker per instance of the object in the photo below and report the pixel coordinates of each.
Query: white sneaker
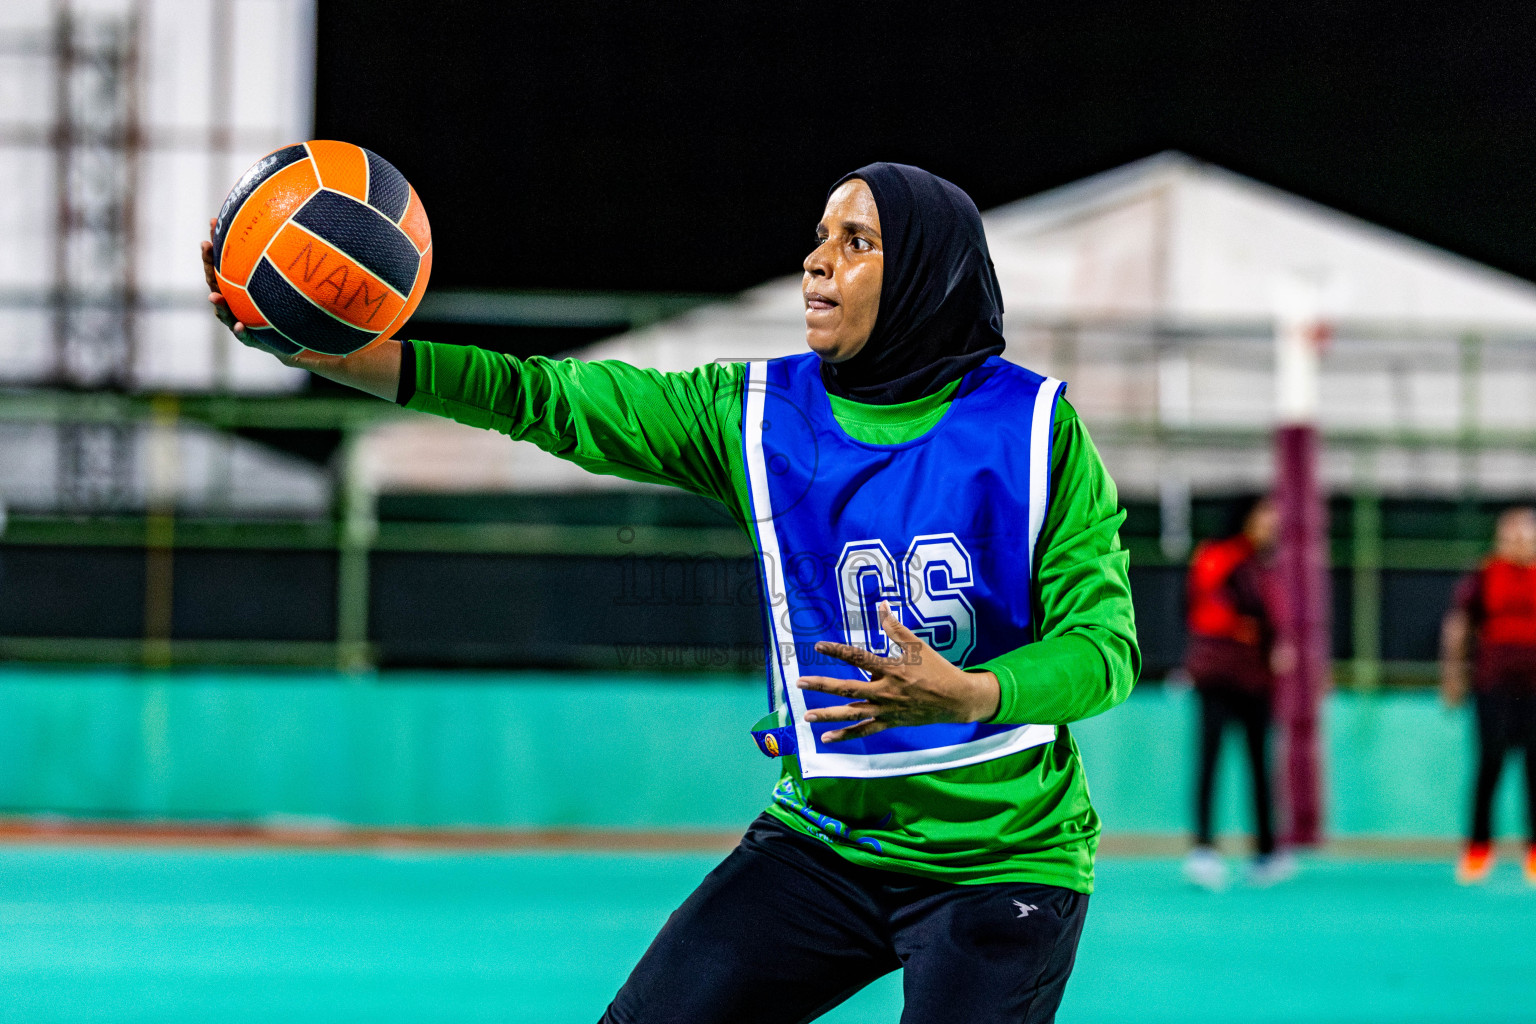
column 1280, row 866
column 1205, row 868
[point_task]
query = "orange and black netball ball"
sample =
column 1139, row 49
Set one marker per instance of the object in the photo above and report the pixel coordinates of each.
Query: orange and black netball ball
column 322, row 246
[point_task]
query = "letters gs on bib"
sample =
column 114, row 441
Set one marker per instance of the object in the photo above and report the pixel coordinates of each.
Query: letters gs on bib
column 924, row 582
column 925, row 588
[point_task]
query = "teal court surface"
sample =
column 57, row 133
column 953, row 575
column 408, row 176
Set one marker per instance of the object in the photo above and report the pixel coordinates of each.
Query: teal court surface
column 231, row 935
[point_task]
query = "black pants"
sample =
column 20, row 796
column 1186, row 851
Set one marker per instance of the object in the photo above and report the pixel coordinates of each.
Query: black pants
column 1506, row 717
column 785, row 929
column 1220, row 706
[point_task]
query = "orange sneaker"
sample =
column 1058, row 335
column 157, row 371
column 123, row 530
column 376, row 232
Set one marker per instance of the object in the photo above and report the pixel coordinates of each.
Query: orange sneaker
column 1475, row 863
column 1530, row 864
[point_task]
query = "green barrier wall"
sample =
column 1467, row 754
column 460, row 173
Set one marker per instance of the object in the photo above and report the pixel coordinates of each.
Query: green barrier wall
column 1397, row 764
column 543, row 750
column 529, row 750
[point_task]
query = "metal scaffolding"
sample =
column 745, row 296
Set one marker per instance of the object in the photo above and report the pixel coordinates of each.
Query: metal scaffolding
column 96, row 146
column 96, row 154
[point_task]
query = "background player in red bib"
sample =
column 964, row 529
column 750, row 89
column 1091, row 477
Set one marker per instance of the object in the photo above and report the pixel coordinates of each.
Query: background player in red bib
column 1230, row 658
column 1489, row 635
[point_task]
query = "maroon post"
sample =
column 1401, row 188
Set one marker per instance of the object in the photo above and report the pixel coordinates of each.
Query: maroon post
column 1302, row 575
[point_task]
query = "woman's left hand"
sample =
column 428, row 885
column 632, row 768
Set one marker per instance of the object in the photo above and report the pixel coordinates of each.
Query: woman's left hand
column 916, row 687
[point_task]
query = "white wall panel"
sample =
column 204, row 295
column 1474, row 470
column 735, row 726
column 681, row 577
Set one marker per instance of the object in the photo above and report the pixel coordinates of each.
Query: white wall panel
column 26, row 344
column 26, row 218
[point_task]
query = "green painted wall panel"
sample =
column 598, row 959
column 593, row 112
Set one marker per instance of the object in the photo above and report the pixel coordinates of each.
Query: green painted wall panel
column 547, row 750
column 524, row 750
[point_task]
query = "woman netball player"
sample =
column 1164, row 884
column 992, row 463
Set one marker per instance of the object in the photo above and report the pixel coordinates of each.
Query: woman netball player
column 944, row 591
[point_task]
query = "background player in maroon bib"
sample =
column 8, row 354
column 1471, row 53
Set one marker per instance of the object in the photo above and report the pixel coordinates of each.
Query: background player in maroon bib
column 1489, row 635
column 1229, row 657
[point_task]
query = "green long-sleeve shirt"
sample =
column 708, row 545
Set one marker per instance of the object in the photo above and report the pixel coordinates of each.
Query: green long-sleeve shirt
column 1024, row 817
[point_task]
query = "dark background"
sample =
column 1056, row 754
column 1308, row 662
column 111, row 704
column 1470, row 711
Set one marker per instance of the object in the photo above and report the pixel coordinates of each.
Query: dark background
column 687, row 147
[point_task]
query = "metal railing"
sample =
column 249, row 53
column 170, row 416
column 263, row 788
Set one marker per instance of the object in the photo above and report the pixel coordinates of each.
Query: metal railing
column 354, row 532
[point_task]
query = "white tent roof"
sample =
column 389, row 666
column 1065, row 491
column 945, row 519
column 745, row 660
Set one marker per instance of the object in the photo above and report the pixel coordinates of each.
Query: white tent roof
column 1089, row 269
column 1175, row 238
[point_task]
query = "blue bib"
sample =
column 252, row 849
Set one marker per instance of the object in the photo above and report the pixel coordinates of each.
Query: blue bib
column 942, row 527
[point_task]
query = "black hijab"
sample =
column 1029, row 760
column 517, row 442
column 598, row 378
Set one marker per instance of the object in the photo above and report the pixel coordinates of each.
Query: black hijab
column 941, row 312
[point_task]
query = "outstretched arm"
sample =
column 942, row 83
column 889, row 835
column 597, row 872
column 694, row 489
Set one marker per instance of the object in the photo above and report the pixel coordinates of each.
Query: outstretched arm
column 607, row 417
